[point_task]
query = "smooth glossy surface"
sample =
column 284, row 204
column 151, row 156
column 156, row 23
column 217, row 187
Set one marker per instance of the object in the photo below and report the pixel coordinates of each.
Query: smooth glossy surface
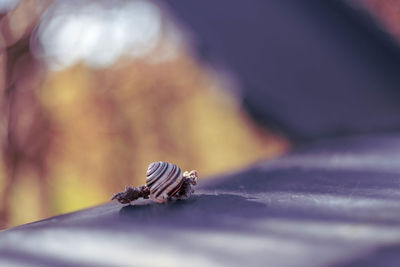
column 334, row 202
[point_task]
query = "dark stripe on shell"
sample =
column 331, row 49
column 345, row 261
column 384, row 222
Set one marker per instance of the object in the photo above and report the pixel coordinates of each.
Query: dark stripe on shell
column 164, row 180
column 159, row 173
column 176, row 189
column 170, row 180
column 152, row 168
column 172, row 172
column 161, row 167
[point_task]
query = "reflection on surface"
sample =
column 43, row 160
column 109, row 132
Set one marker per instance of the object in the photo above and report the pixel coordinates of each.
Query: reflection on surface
column 212, row 229
column 278, row 212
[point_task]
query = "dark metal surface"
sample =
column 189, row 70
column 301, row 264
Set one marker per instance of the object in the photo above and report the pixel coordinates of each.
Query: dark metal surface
column 333, row 202
column 314, row 69
column 310, row 68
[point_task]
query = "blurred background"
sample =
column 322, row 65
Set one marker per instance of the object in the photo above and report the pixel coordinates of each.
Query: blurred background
column 93, row 91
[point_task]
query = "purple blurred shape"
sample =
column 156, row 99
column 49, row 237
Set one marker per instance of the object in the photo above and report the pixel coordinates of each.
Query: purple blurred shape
column 308, row 68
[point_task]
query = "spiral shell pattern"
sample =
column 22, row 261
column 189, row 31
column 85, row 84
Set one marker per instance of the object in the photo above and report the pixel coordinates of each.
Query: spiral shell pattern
column 164, row 180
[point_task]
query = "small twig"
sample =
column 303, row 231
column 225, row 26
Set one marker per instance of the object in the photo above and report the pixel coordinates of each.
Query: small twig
column 132, row 193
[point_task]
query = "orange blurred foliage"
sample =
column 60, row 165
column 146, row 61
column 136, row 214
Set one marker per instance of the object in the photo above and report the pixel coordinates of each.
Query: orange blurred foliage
column 73, row 137
column 108, row 125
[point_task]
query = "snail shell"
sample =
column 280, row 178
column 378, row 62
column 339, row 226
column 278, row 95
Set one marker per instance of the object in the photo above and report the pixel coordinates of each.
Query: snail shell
column 164, row 180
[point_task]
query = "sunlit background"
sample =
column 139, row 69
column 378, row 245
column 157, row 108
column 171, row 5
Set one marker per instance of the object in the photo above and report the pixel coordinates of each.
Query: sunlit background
column 93, row 91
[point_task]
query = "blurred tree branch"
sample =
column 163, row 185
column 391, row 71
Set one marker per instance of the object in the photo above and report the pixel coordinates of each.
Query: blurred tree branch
column 23, row 124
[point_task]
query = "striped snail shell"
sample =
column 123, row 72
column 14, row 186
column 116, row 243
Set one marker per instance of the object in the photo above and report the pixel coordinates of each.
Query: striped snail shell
column 164, row 180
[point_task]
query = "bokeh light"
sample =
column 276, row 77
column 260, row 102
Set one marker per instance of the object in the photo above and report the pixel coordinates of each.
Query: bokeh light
column 96, row 90
column 97, row 33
